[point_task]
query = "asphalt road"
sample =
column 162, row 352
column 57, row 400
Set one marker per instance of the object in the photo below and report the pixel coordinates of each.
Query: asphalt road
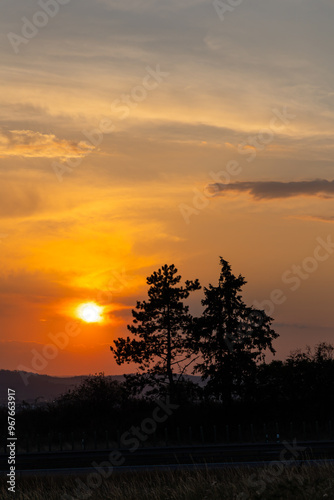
column 172, row 457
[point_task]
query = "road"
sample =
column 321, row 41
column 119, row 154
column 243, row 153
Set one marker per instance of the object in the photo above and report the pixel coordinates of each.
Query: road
column 172, row 457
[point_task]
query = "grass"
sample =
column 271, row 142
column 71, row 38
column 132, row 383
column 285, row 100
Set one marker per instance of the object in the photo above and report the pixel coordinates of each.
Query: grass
column 269, row 483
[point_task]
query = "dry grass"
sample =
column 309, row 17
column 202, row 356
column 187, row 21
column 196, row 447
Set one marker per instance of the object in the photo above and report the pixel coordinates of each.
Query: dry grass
column 269, row 483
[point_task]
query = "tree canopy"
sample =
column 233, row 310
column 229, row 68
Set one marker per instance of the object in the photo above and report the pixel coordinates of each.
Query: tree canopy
column 227, row 340
column 232, row 337
column 161, row 328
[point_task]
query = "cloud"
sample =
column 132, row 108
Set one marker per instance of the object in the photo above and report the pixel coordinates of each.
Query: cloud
column 320, row 218
column 140, row 5
column 29, row 144
column 273, row 189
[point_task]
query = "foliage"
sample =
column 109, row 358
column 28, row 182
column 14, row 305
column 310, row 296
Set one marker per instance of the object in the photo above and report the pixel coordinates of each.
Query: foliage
column 298, row 389
column 97, row 391
column 161, row 327
column 231, row 337
column 303, row 384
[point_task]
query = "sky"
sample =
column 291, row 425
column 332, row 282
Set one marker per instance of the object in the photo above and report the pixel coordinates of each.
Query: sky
column 145, row 132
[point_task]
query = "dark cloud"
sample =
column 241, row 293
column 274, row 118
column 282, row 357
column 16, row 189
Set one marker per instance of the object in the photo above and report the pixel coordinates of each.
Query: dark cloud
column 321, row 218
column 273, row 189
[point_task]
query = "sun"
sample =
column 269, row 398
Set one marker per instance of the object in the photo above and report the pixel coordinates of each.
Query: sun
column 90, row 312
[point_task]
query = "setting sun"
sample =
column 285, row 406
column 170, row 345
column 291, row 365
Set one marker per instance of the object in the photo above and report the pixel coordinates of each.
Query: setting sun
column 90, row 312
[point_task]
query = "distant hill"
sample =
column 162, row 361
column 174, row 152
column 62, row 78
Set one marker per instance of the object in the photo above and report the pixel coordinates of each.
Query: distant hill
column 32, row 387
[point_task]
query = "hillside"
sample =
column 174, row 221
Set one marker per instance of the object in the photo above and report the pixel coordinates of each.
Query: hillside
column 31, row 387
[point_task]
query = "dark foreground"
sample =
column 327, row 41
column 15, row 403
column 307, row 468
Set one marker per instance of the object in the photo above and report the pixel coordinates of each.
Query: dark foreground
column 270, row 482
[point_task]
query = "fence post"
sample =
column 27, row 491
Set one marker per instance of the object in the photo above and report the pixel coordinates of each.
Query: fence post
column 265, row 433
column 239, row 433
column 190, row 435
column 201, row 433
column 291, row 430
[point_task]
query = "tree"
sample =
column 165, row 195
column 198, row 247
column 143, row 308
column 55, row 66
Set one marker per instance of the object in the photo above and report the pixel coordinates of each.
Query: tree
column 300, row 386
column 312, row 376
column 231, row 337
column 162, row 326
column 96, row 392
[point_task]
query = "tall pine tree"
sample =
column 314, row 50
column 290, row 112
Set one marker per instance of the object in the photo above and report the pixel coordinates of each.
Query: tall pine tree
column 232, row 337
column 162, row 329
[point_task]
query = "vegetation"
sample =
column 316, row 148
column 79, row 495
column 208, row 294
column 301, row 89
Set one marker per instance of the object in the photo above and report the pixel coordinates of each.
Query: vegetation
column 162, row 325
column 292, row 483
column 232, row 338
column 299, row 389
column 227, row 340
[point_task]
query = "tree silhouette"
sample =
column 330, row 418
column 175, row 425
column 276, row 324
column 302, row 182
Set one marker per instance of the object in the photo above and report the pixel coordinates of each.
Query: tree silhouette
column 162, row 326
column 231, row 337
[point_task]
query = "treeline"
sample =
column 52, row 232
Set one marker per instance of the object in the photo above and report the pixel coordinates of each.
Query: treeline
column 299, row 389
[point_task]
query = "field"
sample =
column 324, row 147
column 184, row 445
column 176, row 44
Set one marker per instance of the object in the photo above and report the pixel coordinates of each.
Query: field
column 269, row 483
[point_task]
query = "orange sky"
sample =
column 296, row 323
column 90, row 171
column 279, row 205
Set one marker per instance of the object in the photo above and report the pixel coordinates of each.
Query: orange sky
column 139, row 133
